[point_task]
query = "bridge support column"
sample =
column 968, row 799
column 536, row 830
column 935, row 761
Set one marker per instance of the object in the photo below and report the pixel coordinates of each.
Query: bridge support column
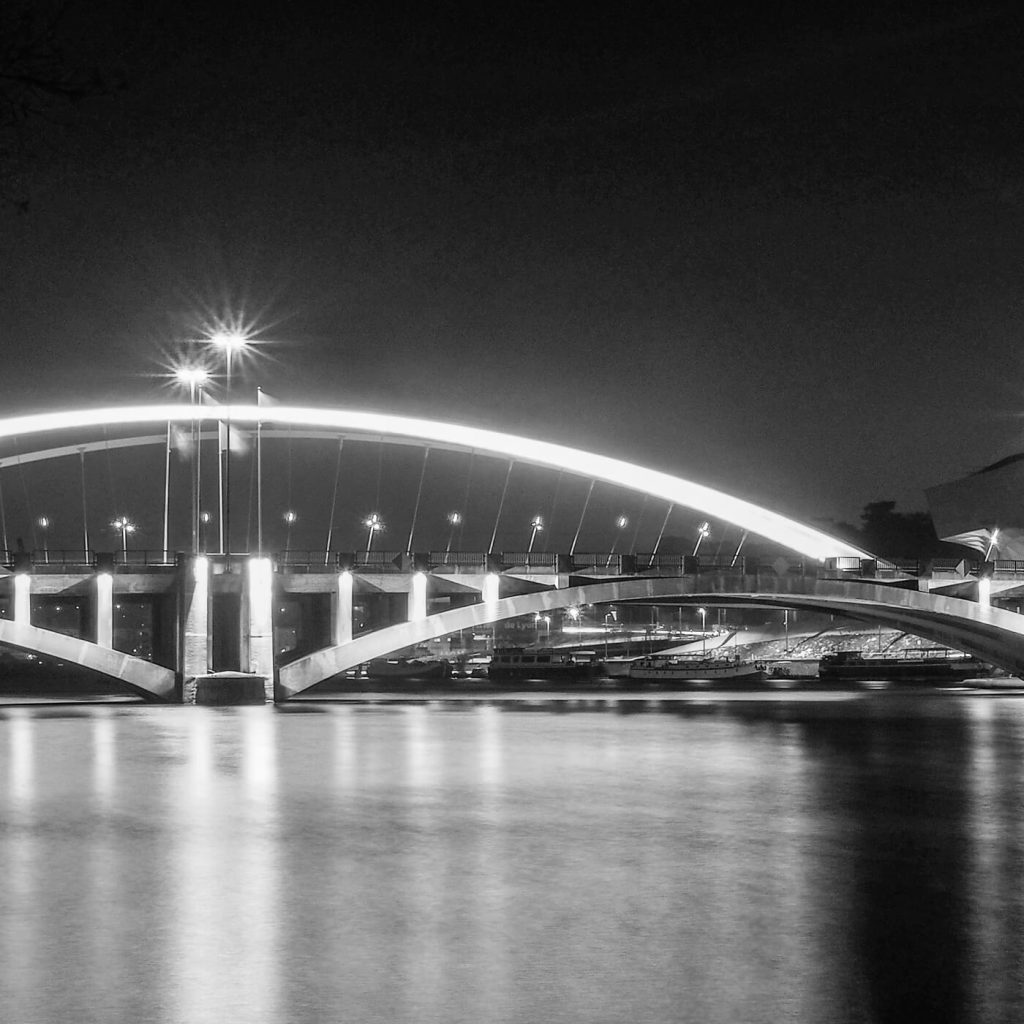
column 259, row 639
column 104, row 617
column 194, row 660
column 23, row 598
column 341, row 628
column 417, row 597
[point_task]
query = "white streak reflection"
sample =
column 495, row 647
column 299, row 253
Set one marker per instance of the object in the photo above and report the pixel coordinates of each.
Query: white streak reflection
column 21, row 769
column 104, row 761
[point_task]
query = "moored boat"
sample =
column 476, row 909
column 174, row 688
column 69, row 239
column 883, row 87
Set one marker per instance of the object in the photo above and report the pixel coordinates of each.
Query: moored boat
column 396, row 669
column 512, row 664
column 926, row 665
column 691, row 669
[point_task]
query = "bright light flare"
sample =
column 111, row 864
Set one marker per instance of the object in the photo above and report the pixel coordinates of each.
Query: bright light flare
column 192, row 376
column 232, row 341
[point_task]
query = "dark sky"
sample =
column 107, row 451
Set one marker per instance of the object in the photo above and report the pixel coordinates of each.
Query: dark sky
column 782, row 257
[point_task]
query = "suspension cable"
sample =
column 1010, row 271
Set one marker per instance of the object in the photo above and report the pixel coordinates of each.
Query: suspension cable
column 419, row 492
column 501, row 505
column 554, row 505
column 636, row 532
column 3, row 520
column 590, row 491
column 334, row 501
column 85, row 513
column 661, row 532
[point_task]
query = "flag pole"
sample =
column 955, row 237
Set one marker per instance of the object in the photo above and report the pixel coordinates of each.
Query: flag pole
column 259, row 474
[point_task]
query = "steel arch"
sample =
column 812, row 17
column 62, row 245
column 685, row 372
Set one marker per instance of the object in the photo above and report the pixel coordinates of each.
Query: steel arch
column 431, row 433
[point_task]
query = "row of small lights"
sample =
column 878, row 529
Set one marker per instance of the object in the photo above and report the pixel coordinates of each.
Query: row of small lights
column 374, row 524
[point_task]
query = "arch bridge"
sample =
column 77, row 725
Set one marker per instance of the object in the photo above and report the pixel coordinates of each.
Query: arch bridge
column 211, row 612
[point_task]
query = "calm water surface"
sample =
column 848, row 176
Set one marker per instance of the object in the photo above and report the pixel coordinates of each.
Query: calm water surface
column 852, row 861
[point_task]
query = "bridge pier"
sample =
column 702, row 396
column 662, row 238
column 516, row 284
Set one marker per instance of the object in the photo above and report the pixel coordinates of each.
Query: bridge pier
column 103, row 617
column 23, row 598
column 341, row 631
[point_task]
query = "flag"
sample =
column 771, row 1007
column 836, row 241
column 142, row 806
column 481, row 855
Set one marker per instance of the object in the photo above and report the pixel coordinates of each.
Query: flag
column 239, row 438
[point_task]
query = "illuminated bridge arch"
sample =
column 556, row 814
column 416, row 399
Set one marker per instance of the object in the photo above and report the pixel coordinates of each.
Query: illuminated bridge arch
column 454, row 437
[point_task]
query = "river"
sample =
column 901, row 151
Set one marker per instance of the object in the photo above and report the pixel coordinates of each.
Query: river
column 710, row 861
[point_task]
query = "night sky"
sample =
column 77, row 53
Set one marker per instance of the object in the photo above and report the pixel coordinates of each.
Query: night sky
column 784, row 258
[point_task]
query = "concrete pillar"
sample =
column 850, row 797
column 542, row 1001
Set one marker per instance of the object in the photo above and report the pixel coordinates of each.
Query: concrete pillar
column 259, row 599
column 341, row 632
column 491, row 592
column 417, row 597
column 195, row 619
column 985, row 592
column 104, row 610
column 23, row 598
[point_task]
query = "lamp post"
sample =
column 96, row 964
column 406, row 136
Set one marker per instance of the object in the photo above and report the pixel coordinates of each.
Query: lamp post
column 607, row 616
column 620, row 524
column 289, row 518
column 204, row 521
column 454, row 521
column 373, row 525
column 703, row 630
column 231, row 342
column 702, row 531
column 44, row 524
column 537, row 523
column 573, row 613
column 194, row 378
column 126, row 526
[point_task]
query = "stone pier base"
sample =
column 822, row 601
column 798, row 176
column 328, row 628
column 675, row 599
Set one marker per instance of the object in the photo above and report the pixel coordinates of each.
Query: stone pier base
column 225, row 688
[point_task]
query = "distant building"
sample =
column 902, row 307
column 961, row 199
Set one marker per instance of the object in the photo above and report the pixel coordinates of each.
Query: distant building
column 984, row 510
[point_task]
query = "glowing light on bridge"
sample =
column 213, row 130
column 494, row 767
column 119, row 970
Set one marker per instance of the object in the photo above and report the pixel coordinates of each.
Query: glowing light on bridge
column 456, row 437
column 538, row 525
column 373, row 524
column 125, row 526
column 703, row 531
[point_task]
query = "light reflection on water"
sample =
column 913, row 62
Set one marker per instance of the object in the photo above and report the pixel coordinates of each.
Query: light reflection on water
column 791, row 862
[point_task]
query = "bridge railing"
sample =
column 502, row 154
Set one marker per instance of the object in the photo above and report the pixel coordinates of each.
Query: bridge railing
column 532, row 561
column 79, row 560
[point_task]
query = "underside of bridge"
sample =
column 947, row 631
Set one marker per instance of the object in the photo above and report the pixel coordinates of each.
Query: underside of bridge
column 994, row 636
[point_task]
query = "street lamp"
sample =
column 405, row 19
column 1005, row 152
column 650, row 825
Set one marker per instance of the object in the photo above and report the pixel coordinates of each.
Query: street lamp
column 289, row 518
column 204, row 521
column 44, row 524
column 373, row 525
column 574, row 616
column 620, row 524
column 537, row 522
column 702, row 531
column 608, row 615
column 454, row 521
column 194, row 378
column 231, row 342
column 704, row 630
column 126, row 526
